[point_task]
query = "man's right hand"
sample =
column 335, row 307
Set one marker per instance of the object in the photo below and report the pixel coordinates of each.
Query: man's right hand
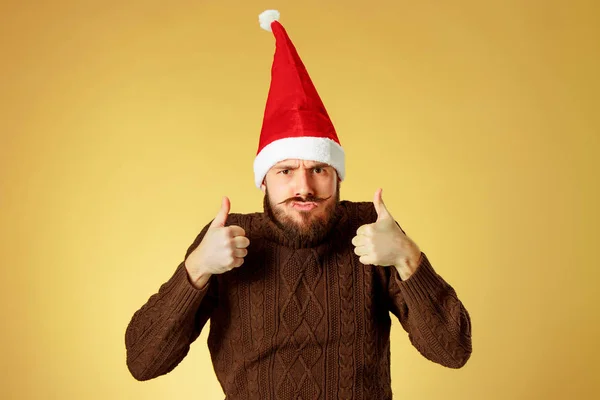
column 222, row 249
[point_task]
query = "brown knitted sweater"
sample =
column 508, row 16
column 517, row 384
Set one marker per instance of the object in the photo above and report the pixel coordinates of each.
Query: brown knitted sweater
column 300, row 320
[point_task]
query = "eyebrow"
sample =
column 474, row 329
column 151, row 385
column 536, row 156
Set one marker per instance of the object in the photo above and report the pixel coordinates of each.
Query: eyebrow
column 285, row 166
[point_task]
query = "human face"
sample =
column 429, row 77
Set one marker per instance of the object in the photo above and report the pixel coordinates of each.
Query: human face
column 302, row 195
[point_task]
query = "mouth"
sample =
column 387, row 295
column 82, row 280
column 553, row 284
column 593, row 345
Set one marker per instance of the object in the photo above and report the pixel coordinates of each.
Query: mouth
column 304, row 206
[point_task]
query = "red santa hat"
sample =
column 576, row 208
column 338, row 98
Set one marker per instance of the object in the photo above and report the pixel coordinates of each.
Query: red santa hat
column 295, row 123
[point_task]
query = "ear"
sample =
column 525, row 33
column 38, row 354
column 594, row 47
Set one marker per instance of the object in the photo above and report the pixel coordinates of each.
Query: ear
column 263, row 187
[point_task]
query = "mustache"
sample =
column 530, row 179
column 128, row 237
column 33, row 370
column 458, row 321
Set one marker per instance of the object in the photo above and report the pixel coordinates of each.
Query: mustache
column 307, row 199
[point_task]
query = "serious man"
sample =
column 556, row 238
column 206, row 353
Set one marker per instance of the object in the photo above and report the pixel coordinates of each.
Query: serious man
column 299, row 296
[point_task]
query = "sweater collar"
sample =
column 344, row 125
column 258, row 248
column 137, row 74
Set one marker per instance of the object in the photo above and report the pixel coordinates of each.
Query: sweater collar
column 275, row 234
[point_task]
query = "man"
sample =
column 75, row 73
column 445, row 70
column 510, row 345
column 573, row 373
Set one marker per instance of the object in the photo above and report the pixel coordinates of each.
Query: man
column 299, row 296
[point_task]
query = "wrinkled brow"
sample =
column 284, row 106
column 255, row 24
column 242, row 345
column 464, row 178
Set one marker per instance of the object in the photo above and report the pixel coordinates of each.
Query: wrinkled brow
column 287, row 166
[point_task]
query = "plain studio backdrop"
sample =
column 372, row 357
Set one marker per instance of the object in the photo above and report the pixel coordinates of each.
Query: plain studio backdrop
column 124, row 123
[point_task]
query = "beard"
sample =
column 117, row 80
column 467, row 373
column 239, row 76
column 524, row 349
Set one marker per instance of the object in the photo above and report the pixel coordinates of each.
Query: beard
column 311, row 227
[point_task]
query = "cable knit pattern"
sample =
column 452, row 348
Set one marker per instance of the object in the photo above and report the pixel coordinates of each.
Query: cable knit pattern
column 300, row 320
column 300, row 315
column 257, row 334
column 370, row 342
column 348, row 318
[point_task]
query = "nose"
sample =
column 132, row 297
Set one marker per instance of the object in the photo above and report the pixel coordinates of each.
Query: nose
column 304, row 183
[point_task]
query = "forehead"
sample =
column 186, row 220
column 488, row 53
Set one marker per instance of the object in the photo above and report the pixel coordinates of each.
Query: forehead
column 297, row 163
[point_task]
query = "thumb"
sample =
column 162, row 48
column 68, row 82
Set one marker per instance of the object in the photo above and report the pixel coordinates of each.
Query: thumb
column 223, row 213
column 380, row 208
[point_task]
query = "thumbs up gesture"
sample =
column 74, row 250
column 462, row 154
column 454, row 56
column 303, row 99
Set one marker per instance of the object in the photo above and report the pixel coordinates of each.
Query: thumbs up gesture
column 222, row 248
column 383, row 242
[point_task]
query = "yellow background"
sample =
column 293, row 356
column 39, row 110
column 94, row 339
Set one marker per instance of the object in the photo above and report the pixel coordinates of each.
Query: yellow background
column 123, row 123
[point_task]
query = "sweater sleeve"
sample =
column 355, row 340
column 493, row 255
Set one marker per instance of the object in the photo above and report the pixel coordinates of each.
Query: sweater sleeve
column 159, row 334
column 436, row 321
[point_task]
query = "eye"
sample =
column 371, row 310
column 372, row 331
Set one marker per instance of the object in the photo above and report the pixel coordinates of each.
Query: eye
column 284, row 171
column 318, row 170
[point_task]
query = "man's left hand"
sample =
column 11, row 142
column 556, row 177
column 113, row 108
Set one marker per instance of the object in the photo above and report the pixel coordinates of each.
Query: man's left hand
column 383, row 242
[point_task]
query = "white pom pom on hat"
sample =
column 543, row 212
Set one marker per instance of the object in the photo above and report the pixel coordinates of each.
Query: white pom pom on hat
column 267, row 17
column 295, row 123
